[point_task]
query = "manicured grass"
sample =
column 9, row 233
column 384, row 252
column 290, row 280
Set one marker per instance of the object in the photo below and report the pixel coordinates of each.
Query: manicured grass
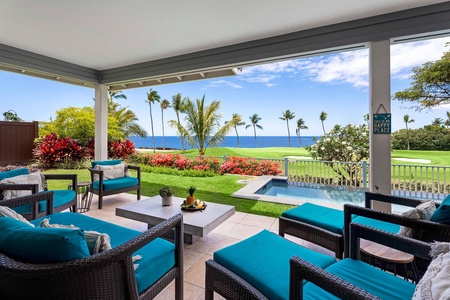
column 216, row 189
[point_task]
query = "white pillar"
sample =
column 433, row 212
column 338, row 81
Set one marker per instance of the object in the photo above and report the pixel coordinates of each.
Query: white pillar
column 101, row 122
column 380, row 144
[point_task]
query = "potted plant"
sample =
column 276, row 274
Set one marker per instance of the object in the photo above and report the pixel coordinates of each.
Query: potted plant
column 166, row 194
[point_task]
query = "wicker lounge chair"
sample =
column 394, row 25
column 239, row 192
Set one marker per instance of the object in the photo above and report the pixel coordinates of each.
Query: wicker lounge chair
column 353, row 279
column 106, row 275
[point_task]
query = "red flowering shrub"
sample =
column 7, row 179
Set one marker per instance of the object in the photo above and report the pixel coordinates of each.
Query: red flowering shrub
column 51, row 150
column 117, row 149
column 120, row 149
column 250, row 166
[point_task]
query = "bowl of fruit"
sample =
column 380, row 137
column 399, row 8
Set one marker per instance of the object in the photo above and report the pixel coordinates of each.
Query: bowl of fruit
column 192, row 204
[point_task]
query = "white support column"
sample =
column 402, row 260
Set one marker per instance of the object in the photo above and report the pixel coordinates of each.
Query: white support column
column 380, row 144
column 101, row 122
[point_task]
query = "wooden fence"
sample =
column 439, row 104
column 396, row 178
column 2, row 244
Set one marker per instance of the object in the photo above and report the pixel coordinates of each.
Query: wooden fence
column 16, row 141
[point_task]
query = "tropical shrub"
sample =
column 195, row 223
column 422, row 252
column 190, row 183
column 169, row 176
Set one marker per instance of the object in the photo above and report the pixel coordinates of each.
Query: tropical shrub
column 343, row 144
column 51, row 150
column 250, row 166
column 430, row 137
column 120, row 149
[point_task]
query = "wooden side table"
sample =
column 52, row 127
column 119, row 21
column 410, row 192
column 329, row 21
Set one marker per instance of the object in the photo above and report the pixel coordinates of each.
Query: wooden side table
column 388, row 259
column 84, row 196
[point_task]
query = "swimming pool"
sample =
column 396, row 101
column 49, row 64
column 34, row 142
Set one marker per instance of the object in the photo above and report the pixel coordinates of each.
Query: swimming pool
column 336, row 195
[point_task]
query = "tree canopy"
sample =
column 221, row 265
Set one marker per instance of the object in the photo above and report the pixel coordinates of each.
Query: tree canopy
column 430, row 85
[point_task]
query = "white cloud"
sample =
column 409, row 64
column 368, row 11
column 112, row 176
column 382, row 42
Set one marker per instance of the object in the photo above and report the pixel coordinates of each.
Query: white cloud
column 270, row 84
column 222, row 83
column 350, row 67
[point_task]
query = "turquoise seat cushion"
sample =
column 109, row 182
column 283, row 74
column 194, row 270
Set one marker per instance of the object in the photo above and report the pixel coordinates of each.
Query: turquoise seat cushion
column 442, row 213
column 60, row 197
column 389, row 227
column 158, row 257
column 115, row 184
column 323, row 217
column 375, row 281
column 263, row 261
column 40, row 245
column 106, row 162
column 13, row 173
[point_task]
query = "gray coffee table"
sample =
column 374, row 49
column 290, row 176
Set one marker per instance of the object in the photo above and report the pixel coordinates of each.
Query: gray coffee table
column 197, row 224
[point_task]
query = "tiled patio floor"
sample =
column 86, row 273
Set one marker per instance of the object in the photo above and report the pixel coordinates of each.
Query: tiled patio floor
column 236, row 228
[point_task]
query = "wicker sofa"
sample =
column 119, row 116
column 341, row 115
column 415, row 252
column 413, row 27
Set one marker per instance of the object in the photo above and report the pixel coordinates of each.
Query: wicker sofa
column 62, row 199
column 104, row 186
column 263, row 275
column 106, row 275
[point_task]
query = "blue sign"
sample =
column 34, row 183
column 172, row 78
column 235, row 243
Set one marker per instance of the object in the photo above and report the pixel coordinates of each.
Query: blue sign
column 381, row 123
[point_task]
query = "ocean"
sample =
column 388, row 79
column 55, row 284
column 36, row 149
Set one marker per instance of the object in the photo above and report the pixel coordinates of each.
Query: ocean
column 230, row 141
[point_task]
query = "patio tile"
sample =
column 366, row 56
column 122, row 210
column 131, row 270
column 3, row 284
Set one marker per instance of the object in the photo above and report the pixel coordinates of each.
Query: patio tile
column 222, row 243
column 237, row 217
column 205, row 243
column 190, row 258
column 196, row 274
column 258, row 221
column 241, row 231
column 224, row 228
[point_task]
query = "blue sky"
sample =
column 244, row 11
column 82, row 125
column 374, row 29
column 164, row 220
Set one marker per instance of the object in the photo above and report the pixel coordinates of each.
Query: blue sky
column 336, row 84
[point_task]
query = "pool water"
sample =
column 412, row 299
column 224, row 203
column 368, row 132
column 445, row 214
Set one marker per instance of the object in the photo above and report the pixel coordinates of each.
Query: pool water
column 339, row 195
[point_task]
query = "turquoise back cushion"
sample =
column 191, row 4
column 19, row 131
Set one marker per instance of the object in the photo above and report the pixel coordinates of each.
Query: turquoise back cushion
column 13, row 173
column 60, row 197
column 263, row 261
column 375, row 281
column 442, row 213
column 324, row 217
column 106, row 162
column 389, row 227
column 158, row 257
column 40, row 245
column 115, row 184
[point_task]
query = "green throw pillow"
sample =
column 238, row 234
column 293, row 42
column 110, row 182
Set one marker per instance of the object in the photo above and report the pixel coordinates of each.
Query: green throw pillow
column 25, row 243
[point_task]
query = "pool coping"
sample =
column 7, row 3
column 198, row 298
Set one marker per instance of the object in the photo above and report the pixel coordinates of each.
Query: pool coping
column 248, row 191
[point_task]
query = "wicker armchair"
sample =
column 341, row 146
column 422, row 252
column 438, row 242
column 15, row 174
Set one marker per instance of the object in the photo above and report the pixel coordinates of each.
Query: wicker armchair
column 60, row 205
column 107, row 275
column 302, row 270
column 427, row 231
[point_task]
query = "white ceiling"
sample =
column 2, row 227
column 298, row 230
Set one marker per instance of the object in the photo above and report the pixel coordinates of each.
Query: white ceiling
column 104, row 34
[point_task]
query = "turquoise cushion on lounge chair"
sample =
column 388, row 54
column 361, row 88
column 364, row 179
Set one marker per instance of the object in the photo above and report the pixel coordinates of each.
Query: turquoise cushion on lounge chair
column 60, row 197
column 375, row 281
column 13, row 173
column 106, row 162
column 442, row 213
column 40, row 245
column 157, row 257
column 118, row 183
column 323, row 217
column 389, row 227
column 263, row 261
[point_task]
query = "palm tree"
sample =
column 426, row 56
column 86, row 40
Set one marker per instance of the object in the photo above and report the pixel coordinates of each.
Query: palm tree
column 254, row 119
column 367, row 118
column 178, row 106
column 203, row 128
column 300, row 125
column 437, row 122
column 447, row 122
column 126, row 120
column 407, row 120
column 152, row 97
column 286, row 116
column 164, row 105
column 323, row 117
column 237, row 121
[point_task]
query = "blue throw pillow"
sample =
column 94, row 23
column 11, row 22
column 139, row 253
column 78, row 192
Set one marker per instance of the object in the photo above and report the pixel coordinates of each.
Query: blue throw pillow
column 13, row 173
column 442, row 213
column 23, row 242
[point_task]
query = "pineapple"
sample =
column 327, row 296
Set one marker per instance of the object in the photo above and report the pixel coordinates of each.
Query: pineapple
column 190, row 199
